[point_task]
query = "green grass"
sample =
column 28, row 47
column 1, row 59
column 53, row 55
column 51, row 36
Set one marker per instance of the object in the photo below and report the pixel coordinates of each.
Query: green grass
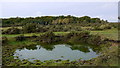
column 5, row 28
column 30, row 34
column 20, row 42
column 60, row 33
column 13, row 35
column 86, row 27
column 110, row 33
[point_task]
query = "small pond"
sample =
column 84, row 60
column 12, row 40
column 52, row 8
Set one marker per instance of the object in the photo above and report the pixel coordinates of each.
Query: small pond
column 55, row 52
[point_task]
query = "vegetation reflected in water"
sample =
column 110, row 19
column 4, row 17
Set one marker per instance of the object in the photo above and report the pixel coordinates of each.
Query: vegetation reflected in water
column 55, row 52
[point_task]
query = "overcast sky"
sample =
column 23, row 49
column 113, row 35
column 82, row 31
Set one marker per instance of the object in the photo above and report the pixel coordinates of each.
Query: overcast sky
column 104, row 10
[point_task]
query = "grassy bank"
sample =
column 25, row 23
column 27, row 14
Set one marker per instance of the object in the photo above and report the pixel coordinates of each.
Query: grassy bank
column 110, row 33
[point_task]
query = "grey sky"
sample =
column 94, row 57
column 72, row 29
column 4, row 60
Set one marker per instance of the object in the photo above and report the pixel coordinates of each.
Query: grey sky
column 104, row 10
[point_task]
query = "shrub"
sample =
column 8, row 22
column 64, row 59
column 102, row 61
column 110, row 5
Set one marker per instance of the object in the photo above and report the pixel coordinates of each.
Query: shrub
column 40, row 29
column 77, row 36
column 81, row 33
column 102, row 27
column 97, row 28
column 48, row 37
column 94, row 40
column 34, row 36
column 83, row 37
column 20, row 38
column 12, row 31
column 29, row 28
column 4, row 40
column 106, row 26
column 33, row 27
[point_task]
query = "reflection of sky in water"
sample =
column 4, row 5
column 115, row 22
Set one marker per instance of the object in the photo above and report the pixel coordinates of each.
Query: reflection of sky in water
column 59, row 52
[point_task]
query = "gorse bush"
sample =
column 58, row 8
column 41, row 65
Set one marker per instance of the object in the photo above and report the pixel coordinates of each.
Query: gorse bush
column 20, row 38
column 29, row 28
column 78, row 37
column 85, row 37
column 62, row 28
column 94, row 40
column 106, row 26
column 12, row 31
column 34, row 36
column 72, row 37
column 32, row 28
column 74, row 33
column 48, row 37
column 37, row 28
column 4, row 40
column 102, row 27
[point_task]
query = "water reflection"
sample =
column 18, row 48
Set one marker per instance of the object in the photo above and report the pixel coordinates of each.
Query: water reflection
column 55, row 52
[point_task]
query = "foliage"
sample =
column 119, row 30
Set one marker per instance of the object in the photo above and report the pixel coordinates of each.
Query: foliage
column 94, row 40
column 102, row 27
column 12, row 31
column 72, row 37
column 48, row 37
column 110, row 33
column 20, row 38
column 48, row 20
column 4, row 40
column 32, row 27
column 114, row 25
column 85, row 37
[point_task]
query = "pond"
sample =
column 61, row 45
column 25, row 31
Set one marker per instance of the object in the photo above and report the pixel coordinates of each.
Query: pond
column 55, row 52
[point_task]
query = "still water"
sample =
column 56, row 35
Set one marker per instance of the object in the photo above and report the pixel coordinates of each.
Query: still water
column 55, row 52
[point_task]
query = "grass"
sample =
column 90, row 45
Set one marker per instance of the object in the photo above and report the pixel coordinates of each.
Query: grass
column 5, row 28
column 30, row 34
column 86, row 27
column 14, row 35
column 110, row 33
column 20, row 42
